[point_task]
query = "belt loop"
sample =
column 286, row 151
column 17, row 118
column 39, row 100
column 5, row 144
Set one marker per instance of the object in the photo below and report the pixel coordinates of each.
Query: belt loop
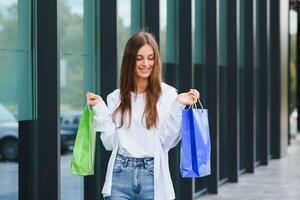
column 144, row 163
column 126, row 162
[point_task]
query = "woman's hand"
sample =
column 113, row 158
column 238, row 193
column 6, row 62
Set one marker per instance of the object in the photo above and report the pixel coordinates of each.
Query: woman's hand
column 92, row 99
column 188, row 98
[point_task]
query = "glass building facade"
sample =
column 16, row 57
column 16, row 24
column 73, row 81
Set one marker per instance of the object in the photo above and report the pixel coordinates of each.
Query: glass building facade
column 235, row 52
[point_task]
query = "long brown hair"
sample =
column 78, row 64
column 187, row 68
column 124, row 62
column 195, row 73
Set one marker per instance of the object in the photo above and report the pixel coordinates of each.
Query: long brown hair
column 128, row 84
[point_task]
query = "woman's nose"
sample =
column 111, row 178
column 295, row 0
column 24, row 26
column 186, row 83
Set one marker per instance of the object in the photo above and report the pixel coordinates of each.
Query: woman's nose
column 146, row 62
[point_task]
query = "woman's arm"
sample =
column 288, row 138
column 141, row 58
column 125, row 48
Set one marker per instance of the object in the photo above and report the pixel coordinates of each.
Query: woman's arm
column 104, row 123
column 170, row 132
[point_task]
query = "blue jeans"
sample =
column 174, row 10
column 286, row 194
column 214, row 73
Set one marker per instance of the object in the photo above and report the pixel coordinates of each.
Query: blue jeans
column 132, row 179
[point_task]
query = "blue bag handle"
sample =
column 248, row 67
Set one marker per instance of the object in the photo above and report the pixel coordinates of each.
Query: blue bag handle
column 195, row 105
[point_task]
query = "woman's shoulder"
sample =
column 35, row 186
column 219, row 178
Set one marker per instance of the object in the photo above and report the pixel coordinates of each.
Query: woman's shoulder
column 168, row 89
column 114, row 96
column 169, row 92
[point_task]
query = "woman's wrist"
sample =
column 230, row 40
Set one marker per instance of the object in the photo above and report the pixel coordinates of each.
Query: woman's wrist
column 177, row 105
column 98, row 102
column 178, row 100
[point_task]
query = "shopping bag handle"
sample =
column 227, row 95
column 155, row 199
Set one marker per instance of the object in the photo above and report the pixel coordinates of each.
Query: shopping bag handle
column 87, row 106
column 195, row 104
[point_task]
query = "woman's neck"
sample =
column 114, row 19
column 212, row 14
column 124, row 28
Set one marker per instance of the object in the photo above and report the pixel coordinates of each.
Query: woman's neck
column 141, row 85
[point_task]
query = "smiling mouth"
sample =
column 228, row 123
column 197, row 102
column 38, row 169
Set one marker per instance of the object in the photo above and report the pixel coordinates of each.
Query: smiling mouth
column 144, row 69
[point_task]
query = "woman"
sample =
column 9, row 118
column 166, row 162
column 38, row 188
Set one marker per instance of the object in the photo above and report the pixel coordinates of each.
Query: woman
column 140, row 123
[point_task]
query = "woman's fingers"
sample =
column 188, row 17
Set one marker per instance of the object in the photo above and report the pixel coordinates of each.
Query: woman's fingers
column 90, row 95
column 195, row 92
column 92, row 99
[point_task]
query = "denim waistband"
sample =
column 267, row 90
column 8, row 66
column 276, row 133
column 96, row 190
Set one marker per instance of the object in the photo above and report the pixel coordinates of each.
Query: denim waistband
column 135, row 162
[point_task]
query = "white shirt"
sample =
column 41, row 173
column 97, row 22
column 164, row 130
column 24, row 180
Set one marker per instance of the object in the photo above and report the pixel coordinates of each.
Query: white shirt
column 136, row 140
column 164, row 137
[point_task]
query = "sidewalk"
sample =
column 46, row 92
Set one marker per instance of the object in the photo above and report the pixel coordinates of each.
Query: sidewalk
column 280, row 180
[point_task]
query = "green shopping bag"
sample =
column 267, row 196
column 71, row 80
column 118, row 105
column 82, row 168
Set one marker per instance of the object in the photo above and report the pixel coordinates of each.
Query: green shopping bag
column 83, row 157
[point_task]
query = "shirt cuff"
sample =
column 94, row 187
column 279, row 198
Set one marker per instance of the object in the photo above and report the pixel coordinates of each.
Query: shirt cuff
column 178, row 107
column 100, row 108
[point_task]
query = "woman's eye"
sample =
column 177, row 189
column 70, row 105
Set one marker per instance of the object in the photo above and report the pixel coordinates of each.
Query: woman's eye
column 139, row 59
column 151, row 58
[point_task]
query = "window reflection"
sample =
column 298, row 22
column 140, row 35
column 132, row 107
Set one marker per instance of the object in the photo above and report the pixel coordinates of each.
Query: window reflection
column 15, row 87
column 123, row 28
column 8, row 153
column 162, row 27
column 72, row 64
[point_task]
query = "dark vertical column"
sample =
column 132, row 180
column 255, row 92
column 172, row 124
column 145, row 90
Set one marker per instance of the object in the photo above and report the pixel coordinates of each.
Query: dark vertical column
column 249, row 94
column 183, row 186
column 261, row 81
column 268, row 75
column 185, row 45
column 233, row 104
column 108, row 46
column 151, row 9
column 241, row 82
column 255, row 85
column 93, row 184
column 212, row 82
column 107, row 61
column 47, row 143
column 274, row 78
column 25, row 159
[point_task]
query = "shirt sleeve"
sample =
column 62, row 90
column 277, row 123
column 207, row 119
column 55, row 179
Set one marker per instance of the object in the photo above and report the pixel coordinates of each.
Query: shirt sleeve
column 170, row 132
column 104, row 123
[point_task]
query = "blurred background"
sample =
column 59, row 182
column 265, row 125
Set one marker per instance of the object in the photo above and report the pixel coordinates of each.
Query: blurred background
column 240, row 54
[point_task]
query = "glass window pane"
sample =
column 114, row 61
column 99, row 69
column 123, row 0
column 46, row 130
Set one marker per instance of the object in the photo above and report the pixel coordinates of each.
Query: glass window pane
column 123, row 29
column 293, row 24
column 171, row 32
column 16, row 88
column 8, row 24
column 77, row 76
column 163, row 28
column 223, row 92
column 169, row 41
column 136, row 16
column 199, row 70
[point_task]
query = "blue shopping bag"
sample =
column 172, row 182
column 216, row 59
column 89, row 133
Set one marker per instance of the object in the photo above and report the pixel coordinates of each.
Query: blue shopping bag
column 195, row 143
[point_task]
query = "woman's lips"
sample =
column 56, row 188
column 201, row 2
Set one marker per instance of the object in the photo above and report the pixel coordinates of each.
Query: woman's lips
column 144, row 69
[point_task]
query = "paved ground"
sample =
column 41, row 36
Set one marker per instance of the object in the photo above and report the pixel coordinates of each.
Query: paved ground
column 280, row 180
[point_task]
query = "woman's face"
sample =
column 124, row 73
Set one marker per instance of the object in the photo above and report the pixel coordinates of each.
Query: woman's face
column 145, row 59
